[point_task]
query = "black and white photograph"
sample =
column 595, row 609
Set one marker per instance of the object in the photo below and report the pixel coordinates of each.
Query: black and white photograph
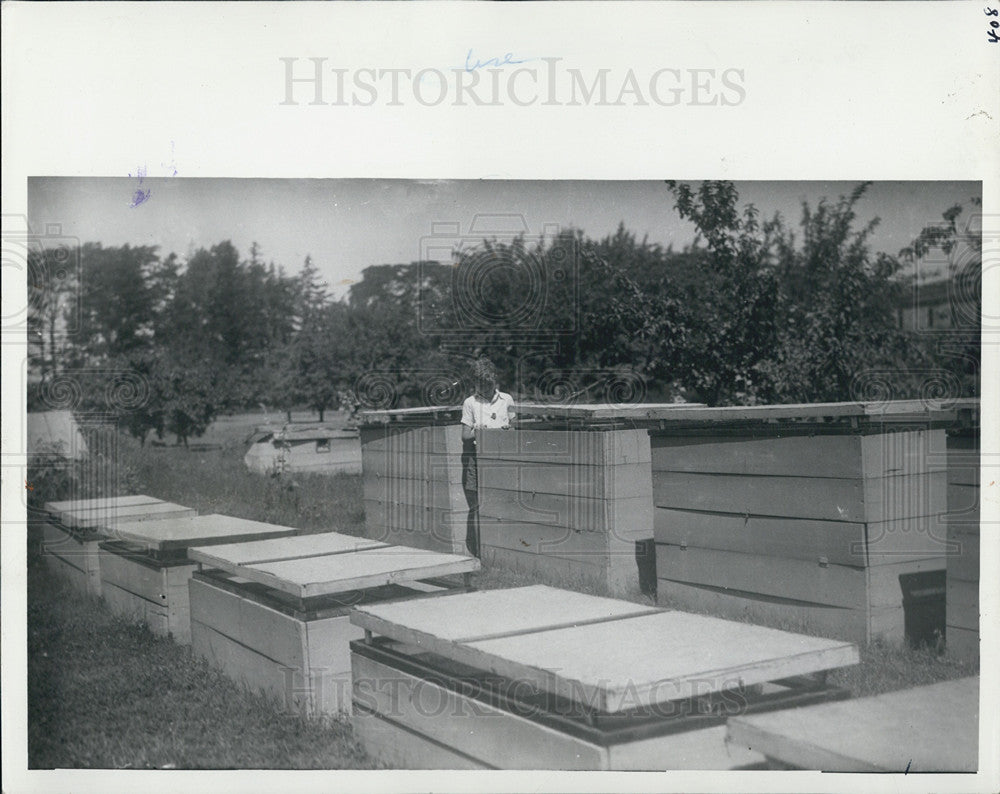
column 411, row 468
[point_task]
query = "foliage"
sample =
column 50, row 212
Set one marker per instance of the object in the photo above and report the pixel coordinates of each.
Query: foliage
column 754, row 311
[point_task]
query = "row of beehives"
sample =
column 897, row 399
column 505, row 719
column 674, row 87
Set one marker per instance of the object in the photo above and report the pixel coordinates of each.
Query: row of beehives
column 530, row 677
column 842, row 530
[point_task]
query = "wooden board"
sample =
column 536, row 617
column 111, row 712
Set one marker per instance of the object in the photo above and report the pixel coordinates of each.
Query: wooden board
column 108, row 521
column 594, row 448
column 615, row 660
column 857, row 501
column 72, row 559
column 578, row 480
column 628, row 518
column 671, row 413
column 341, row 573
column 158, row 596
column 55, row 509
column 230, row 556
column 926, row 729
column 183, row 533
column 805, row 455
column 801, row 580
column 783, row 613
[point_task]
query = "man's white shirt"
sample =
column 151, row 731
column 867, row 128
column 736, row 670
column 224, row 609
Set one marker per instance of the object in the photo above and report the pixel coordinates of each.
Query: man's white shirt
column 480, row 413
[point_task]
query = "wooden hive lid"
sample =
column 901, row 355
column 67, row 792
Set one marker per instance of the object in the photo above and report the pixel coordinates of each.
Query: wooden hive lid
column 341, row 564
column 611, row 654
column 107, row 520
column 181, row 533
column 232, row 557
column 101, row 503
column 931, row 728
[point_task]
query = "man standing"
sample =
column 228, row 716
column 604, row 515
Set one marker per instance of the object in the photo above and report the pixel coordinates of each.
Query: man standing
column 486, row 407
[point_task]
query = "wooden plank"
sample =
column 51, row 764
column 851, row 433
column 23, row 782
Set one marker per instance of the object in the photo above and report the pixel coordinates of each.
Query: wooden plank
column 340, row 573
column 578, row 481
column 941, row 732
column 892, row 498
column 498, row 738
column 800, row 580
column 904, row 452
column 836, row 456
column 628, row 518
column 443, row 538
column 230, row 556
column 108, row 521
column 964, row 563
column 454, row 618
column 704, row 749
column 595, row 448
column 827, row 621
column 414, row 465
column 964, row 459
column 615, row 664
column 963, row 505
column 962, row 604
column 884, row 588
column 856, row 501
column 436, row 440
column 962, row 643
column 911, row 410
column 102, row 502
column 794, row 538
column 419, row 493
column 397, row 747
column 279, row 637
column 907, row 539
column 207, row 530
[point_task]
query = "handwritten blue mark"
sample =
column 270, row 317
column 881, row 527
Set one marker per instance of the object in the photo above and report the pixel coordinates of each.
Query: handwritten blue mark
column 140, row 196
column 507, row 59
column 905, row 771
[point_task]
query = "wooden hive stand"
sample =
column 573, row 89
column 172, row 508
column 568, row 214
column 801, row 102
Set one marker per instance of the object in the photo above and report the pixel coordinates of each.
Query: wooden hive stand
column 541, row 678
column 274, row 613
column 145, row 569
column 75, row 527
column 962, row 607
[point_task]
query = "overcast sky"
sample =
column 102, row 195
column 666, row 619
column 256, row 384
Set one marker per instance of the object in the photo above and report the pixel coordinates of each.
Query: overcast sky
column 347, row 225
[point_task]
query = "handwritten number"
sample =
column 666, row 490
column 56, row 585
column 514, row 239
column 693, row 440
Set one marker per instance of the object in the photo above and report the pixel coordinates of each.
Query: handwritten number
column 991, row 12
column 993, row 38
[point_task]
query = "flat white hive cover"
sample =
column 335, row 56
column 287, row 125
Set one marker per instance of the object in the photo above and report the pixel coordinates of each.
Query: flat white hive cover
column 232, row 556
column 341, row 572
column 609, row 653
column 182, row 533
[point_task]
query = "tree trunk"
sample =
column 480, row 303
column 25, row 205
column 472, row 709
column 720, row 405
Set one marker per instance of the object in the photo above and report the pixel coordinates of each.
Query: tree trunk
column 321, row 410
column 288, row 414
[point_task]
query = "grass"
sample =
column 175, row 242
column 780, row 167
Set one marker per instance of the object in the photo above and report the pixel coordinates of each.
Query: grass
column 106, row 693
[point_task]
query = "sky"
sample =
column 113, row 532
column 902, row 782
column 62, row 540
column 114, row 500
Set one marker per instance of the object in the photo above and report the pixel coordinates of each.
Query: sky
column 346, row 225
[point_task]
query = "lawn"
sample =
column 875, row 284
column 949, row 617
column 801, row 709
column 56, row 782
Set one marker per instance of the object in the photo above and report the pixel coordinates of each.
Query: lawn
column 106, row 693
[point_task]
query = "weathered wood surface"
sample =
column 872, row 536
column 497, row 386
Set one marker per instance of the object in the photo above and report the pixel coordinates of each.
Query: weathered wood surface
column 184, row 533
column 439, row 719
column 593, row 448
column 231, row 556
column 574, row 480
column 72, row 559
column 101, row 503
column 806, row 455
column 617, row 659
column 158, row 596
column 108, row 521
column 830, row 499
column 964, row 560
column 626, row 518
column 339, row 573
column 926, row 729
column 900, row 410
column 827, row 621
column 303, row 665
